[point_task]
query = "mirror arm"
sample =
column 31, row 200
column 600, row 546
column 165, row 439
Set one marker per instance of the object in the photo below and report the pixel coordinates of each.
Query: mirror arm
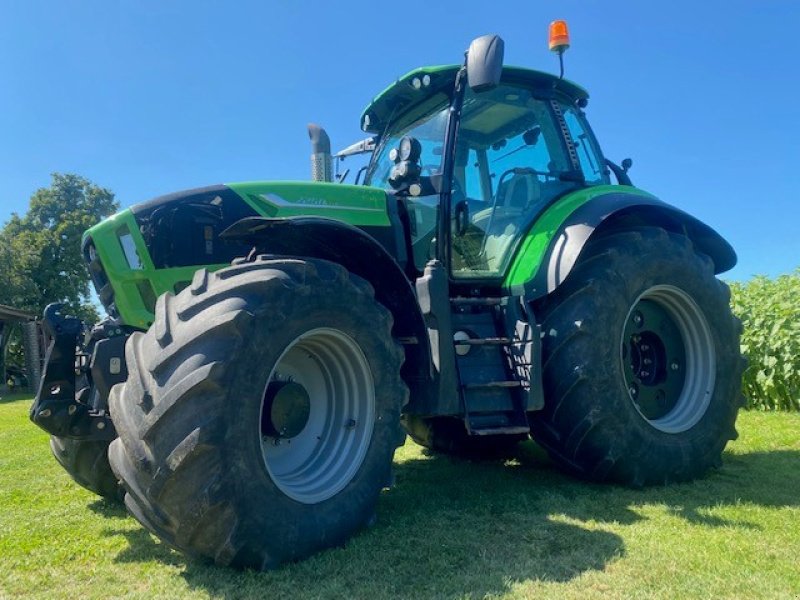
column 620, row 173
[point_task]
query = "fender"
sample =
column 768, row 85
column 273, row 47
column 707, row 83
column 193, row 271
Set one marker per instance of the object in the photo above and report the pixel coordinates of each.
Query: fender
column 362, row 255
column 541, row 267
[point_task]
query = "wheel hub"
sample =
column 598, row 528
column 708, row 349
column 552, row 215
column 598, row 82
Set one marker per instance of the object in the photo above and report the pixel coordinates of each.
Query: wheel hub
column 653, row 353
column 318, row 415
column 287, row 406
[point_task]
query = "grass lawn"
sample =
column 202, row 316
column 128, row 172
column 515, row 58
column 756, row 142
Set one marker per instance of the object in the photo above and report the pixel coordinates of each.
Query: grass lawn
column 448, row 529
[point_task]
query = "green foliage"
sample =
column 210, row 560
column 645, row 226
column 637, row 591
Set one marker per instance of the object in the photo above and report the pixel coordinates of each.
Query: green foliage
column 40, row 257
column 770, row 312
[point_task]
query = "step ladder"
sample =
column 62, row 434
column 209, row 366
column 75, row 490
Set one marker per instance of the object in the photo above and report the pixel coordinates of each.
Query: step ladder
column 495, row 351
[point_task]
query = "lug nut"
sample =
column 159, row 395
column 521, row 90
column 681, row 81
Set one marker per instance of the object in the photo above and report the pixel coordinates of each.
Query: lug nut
column 71, row 410
column 45, row 413
column 674, row 366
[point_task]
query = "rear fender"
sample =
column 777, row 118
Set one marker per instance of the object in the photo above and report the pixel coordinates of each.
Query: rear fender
column 614, row 211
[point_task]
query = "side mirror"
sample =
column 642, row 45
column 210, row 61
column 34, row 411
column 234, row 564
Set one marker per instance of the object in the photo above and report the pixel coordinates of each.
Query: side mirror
column 627, row 163
column 485, row 62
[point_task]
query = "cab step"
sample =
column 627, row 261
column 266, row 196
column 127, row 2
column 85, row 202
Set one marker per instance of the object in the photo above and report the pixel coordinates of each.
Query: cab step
column 511, row 430
column 491, row 341
column 491, row 385
column 462, row 301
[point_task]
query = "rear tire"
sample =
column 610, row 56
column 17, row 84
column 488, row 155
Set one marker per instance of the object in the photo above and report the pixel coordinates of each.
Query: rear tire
column 641, row 363
column 230, row 446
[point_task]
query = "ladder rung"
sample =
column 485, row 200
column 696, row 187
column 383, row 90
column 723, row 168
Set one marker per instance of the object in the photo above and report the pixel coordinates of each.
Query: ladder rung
column 492, row 384
column 501, row 430
column 498, row 341
column 479, row 301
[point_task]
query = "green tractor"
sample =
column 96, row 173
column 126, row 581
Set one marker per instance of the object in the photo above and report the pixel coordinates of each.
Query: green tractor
column 270, row 344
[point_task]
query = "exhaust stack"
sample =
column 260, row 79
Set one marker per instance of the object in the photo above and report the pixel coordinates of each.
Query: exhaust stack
column 321, row 161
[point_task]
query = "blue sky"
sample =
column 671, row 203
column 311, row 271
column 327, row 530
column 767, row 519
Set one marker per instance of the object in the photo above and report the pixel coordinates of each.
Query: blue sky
column 151, row 97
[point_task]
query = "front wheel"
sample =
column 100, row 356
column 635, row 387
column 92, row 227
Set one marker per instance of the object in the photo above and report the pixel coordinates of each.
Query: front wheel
column 86, row 461
column 642, row 370
column 261, row 413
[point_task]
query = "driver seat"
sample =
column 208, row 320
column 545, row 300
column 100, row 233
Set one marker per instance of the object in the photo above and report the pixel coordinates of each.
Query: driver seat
column 516, row 200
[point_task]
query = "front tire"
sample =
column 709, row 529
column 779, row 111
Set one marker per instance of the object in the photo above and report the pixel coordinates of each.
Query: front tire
column 87, row 463
column 642, row 370
column 261, row 413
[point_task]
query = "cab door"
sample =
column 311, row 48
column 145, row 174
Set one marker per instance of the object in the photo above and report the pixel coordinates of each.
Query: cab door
column 510, row 163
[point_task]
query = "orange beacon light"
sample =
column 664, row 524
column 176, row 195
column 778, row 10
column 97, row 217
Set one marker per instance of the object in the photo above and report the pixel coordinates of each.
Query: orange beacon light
column 559, row 36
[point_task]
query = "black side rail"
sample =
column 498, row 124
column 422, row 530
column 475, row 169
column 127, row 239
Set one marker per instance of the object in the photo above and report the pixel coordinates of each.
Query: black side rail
column 57, row 409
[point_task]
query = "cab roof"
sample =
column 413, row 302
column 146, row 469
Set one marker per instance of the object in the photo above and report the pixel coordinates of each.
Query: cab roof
column 401, row 96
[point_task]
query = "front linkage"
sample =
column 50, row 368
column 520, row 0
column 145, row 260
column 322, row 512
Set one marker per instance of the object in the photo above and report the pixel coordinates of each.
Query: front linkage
column 78, row 374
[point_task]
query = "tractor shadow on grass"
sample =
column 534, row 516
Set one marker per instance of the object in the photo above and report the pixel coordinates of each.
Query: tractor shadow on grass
column 451, row 528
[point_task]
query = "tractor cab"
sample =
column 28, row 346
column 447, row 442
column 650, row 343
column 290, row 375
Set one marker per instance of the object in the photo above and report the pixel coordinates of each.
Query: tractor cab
column 473, row 169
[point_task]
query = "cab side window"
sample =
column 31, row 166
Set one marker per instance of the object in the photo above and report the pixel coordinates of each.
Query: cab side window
column 591, row 160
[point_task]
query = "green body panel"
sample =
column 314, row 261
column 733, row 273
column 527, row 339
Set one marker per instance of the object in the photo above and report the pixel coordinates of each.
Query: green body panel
column 358, row 205
column 361, row 206
column 125, row 280
column 534, row 245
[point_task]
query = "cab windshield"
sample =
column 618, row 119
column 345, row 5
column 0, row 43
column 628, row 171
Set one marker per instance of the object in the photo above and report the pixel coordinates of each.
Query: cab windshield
column 422, row 210
column 429, row 130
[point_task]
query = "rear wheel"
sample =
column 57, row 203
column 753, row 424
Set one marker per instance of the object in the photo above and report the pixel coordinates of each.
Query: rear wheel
column 261, row 413
column 642, row 369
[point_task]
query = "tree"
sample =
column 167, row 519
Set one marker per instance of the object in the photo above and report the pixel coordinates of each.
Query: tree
column 40, row 252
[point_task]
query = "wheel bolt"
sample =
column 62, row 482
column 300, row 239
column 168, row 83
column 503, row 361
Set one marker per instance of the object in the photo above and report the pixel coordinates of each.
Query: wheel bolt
column 647, row 361
column 645, row 347
column 674, row 366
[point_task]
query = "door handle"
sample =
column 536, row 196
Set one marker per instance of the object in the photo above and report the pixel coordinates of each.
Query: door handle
column 462, row 217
